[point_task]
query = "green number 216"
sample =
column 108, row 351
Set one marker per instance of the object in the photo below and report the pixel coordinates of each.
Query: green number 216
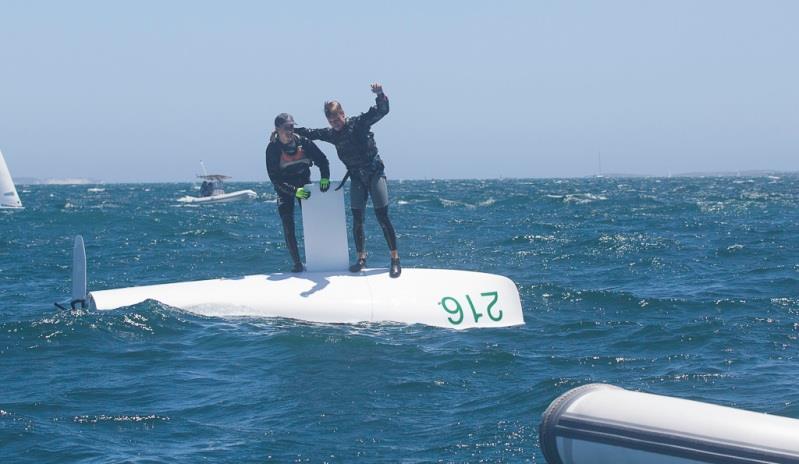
column 453, row 306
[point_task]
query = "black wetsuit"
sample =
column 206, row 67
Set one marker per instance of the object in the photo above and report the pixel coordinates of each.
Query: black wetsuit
column 355, row 142
column 289, row 168
column 356, row 148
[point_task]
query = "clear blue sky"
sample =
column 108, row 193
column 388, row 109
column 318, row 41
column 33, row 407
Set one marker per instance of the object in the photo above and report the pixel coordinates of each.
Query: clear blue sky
column 143, row 90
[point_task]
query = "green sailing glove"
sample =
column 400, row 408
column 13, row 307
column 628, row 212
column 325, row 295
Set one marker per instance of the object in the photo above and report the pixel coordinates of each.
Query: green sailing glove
column 324, row 184
column 302, row 194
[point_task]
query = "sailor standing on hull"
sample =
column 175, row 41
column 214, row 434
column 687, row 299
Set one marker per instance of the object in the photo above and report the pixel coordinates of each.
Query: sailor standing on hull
column 289, row 158
column 356, row 148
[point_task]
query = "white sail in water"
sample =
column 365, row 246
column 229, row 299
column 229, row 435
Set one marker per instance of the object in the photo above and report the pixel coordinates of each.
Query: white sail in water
column 8, row 193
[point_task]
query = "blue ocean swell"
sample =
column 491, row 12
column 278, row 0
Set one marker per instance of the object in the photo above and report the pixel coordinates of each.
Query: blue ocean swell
column 686, row 287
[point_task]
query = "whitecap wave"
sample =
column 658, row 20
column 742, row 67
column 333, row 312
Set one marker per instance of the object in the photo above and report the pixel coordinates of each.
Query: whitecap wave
column 582, row 198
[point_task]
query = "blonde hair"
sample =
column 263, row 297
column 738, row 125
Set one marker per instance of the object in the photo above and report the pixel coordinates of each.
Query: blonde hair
column 332, row 108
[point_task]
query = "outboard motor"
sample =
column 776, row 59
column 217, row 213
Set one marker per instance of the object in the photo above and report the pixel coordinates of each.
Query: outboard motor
column 603, row 424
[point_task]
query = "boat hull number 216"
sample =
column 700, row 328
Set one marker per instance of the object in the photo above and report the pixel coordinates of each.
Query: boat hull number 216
column 485, row 302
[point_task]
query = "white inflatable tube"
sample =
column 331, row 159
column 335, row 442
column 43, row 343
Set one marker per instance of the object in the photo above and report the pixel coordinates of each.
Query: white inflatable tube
column 436, row 297
column 221, row 198
column 598, row 424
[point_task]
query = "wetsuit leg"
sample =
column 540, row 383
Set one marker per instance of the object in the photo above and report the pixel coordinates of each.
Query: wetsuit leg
column 378, row 189
column 358, row 193
column 285, row 207
column 357, row 229
column 388, row 228
column 358, row 196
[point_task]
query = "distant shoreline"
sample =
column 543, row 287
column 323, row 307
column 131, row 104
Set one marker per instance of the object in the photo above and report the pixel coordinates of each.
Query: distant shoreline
column 82, row 181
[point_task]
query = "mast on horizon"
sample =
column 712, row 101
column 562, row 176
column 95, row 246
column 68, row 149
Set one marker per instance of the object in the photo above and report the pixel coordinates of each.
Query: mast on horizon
column 599, row 164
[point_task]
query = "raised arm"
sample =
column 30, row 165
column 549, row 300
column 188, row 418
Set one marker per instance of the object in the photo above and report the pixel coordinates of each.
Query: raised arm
column 376, row 112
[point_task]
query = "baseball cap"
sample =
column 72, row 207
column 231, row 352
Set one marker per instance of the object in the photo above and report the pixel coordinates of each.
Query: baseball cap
column 283, row 118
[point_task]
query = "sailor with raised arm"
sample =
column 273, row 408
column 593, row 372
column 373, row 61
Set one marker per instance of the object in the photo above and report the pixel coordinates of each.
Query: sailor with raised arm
column 289, row 158
column 356, row 148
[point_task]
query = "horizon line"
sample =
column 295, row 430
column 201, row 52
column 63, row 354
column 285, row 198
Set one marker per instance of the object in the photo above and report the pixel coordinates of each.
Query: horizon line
column 698, row 174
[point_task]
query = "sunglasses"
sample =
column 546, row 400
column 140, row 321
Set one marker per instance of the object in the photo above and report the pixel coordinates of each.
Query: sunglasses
column 288, row 127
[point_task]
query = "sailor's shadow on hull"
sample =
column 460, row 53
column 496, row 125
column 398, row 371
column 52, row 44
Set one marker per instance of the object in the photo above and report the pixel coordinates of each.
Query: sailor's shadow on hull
column 320, row 282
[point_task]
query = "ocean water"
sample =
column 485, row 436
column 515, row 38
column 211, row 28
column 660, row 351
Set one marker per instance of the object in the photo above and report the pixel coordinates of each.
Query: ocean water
column 683, row 286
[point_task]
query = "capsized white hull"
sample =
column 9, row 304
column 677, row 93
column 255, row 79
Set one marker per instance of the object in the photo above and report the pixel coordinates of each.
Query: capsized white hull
column 222, row 198
column 435, row 297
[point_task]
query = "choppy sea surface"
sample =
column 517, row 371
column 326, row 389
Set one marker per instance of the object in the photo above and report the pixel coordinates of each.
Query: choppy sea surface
column 686, row 287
